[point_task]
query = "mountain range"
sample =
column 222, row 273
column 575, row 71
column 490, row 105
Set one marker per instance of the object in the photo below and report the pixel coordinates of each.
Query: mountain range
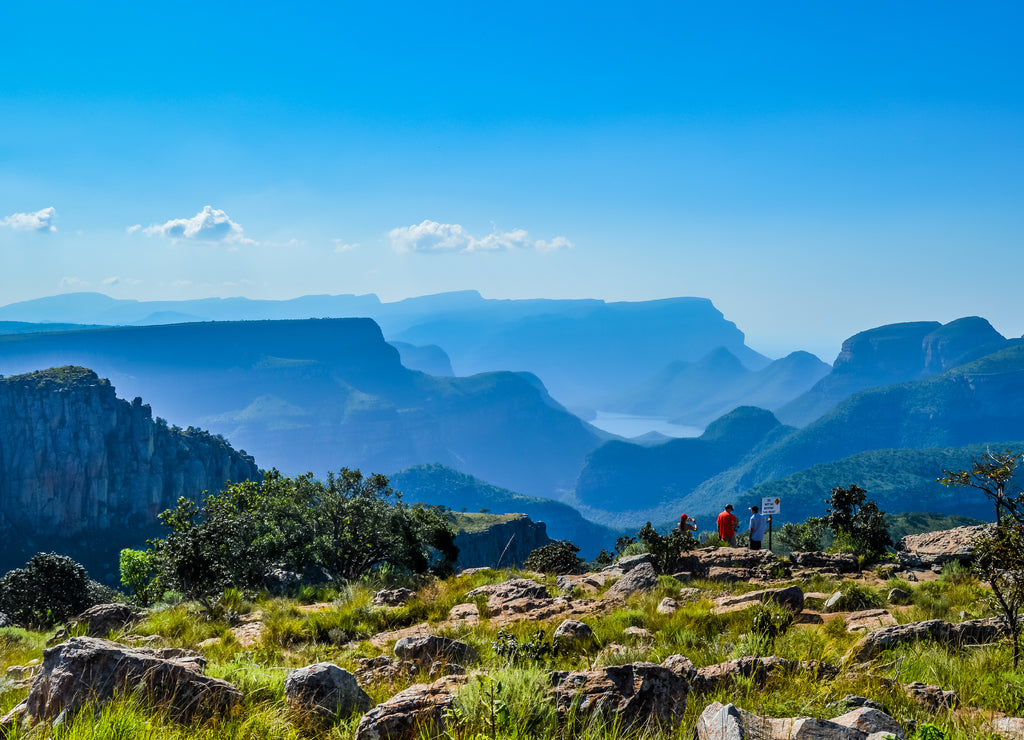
column 583, row 350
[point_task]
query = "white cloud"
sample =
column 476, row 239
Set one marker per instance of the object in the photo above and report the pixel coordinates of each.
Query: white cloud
column 73, row 282
column 118, row 280
column 38, row 221
column 340, row 246
column 431, row 236
column 210, row 225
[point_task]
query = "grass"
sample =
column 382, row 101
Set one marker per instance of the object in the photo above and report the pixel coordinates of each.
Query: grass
column 508, row 699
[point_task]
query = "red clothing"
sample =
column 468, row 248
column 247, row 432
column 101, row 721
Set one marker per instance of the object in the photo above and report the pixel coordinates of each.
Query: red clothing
column 727, row 522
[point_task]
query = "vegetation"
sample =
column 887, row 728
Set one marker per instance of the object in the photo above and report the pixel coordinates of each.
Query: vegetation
column 999, row 553
column 857, row 523
column 50, row 588
column 348, row 525
column 559, row 557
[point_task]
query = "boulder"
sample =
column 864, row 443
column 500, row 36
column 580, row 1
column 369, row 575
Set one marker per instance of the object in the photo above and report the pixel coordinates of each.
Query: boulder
column 514, row 588
column 791, row 597
column 936, row 630
column 99, row 621
column 325, row 692
column 383, row 669
column 831, row 562
column 429, row 648
column 468, row 613
column 421, row 711
column 622, row 566
column 871, row 721
column 574, row 632
column 719, row 675
column 637, row 696
column 931, row 697
column 729, row 575
column 6, row 621
column 1011, row 728
column 935, row 548
column 393, row 597
column 898, row 596
column 682, row 667
column 640, row 578
column 668, row 606
column 720, row 722
column 868, row 620
column 89, row 671
column 727, row 722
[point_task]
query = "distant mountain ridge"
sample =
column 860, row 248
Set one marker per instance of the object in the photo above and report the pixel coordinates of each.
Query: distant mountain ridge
column 697, row 393
column 976, row 403
column 582, row 349
column 326, row 393
column 891, row 354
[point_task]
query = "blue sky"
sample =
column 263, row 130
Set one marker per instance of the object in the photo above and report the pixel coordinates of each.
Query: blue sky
column 815, row 169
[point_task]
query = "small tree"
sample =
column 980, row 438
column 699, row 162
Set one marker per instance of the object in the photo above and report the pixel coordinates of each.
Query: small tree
column 999, row 553
column 559, row 557
column 855, row 519
column 48, row 590
column 666, row 549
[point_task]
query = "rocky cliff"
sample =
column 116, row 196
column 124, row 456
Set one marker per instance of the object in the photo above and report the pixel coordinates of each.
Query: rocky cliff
column 76, row 459
column 503, row 544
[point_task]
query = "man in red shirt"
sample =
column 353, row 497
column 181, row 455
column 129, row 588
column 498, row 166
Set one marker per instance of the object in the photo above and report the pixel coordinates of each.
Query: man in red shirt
column 727, row 523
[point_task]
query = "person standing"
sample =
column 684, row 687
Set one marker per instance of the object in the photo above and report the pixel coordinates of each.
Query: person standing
column 727, row 523
column 686, row 524
column 758, row 524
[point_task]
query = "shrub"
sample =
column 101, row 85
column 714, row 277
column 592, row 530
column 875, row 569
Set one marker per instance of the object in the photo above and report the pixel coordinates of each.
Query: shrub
column 558, row 557
column 805, row 537
column 507, row 645
column 51, row 588
column 857, row 523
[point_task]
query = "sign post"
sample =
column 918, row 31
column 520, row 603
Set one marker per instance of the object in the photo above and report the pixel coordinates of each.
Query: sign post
column 770, row 506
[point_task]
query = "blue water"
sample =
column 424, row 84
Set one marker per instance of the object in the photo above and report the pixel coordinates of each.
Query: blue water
column 628, row 425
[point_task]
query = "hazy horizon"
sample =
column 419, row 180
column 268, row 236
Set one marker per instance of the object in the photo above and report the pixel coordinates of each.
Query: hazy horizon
column 814, row 171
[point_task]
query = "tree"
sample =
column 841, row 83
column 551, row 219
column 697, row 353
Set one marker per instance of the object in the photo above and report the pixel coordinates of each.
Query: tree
column 348, row 525
column 999, row 552
column 558, row 557
column 49, row 589
column 666, row 549
column 858, row 521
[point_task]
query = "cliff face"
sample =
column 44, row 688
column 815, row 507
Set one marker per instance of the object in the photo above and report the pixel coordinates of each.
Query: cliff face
column 504, row 544
column 74, row 458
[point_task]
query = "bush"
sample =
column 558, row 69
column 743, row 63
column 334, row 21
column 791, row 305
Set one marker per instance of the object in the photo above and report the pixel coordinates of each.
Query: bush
column 559, row 557
column 666, row 549
column 51, row 588
column 349, row 525
column 805, row 537
column 857, row 523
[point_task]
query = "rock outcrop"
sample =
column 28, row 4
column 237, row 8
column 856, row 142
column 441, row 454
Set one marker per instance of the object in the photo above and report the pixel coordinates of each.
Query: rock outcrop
column 323, row 692
column 975, row 631
column 638, row 696
column 74, row 458
column 937, row 548
column 504, row 544
column 88, row 672
column 422, row 710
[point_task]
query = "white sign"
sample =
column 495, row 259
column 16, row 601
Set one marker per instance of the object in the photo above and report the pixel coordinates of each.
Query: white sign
column 770, row 505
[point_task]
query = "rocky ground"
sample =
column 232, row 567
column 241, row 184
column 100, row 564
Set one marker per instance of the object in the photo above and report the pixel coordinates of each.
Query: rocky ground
column 88, row 669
